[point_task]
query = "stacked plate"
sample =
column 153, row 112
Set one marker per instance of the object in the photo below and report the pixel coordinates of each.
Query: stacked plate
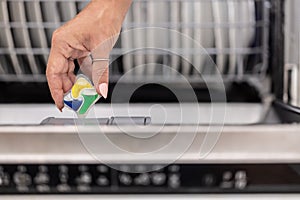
column 222, row 27
column 27, row 31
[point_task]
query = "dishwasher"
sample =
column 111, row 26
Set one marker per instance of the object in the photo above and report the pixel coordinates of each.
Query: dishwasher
column 203, row 99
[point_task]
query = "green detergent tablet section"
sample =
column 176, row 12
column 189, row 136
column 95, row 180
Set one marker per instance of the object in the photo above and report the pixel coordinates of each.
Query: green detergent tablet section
column 89, row 100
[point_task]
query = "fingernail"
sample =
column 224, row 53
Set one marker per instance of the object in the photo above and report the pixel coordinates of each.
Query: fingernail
column 103, row 87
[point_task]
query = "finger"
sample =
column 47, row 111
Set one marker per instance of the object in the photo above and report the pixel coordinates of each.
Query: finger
column 69, row 77
column 86, row 66
column 56, row 88
column 67, row 83
column 75, row 53
column 71, row 71
column 100, row 77
column 57, row 65
column 69, row 47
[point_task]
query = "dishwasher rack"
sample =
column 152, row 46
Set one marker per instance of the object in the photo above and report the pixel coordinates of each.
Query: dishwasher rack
column 27, row 27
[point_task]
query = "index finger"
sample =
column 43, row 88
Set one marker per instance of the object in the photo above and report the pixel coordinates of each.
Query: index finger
column 56, row 67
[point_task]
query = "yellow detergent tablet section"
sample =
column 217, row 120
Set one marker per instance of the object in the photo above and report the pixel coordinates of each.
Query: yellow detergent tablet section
column 82, row 96
column 81, row 83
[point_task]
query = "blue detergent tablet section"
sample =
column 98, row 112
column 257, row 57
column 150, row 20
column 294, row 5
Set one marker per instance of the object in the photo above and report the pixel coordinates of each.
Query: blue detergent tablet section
column 73, row 104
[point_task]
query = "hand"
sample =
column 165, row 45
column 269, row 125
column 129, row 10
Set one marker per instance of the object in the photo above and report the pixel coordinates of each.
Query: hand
column 93, row 31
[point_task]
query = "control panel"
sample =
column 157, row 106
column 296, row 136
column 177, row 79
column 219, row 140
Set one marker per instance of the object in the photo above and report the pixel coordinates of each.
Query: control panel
column 175, row 178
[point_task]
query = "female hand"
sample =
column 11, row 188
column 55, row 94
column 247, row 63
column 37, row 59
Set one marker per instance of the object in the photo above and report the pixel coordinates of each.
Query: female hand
column 93, row 31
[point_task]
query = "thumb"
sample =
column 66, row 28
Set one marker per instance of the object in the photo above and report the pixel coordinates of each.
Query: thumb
column 100, row 76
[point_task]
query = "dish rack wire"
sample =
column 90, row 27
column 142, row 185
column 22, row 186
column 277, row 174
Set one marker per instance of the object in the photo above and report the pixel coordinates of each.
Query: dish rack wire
column 23, row 56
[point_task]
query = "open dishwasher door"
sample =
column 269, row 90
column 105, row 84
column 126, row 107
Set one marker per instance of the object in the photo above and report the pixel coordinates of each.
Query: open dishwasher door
column 148, row 159
column 189, row 108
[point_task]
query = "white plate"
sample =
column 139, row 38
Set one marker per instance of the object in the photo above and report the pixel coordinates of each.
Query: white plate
column 156, row 37
column 139, row 40
column 126, row 43
column 22, row 37
column 3, row 62
column 38, row 35
column 67, row 10
column 248, row 7
column 152, row 40
column 187, row 44
column 6, row 35
column 240, row 12
column 175, row 39
column 220, row 13
column 235, row 38
column 203, row 37
column 82, row 5
column 51, row 15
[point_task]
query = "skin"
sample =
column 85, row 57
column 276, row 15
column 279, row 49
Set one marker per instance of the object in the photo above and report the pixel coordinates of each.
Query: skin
column 93, row 31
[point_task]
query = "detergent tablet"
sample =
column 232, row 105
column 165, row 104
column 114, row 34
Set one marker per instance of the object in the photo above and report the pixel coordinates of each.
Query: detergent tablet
column 82, row 96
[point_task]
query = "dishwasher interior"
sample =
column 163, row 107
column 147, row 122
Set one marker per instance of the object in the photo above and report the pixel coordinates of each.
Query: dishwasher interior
column 191, row 52
column 196, row 103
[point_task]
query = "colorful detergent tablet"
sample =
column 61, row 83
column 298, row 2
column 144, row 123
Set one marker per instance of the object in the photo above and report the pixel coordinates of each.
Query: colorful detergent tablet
column 74, row 104
column 81, row 83
column 82, row 96
column 90, row 97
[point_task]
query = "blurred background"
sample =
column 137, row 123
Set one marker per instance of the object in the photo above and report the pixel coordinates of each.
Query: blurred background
column 233, row 35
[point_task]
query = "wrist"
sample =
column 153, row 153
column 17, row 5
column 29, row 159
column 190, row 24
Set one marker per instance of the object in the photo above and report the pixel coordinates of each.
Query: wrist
column 113, row 9
column 105, row 18
column 109, row 13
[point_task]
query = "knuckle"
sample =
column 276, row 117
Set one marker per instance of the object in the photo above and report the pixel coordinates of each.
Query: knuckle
column 56, row 36
column 48, row 73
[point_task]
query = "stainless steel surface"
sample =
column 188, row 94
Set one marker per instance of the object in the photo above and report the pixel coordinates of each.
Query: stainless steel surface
column 168, row 113
column 243, row 138
column 236, row 144
column 291, row 84
column 154, row 197
column 292, row 50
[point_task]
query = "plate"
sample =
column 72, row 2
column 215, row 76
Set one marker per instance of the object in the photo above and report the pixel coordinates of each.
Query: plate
column 220, row 13
column 21, row 35
column 126, row 42
column 248, row 7
column 156, row 37
column 202, row 36
column 248, row 16
column 82, row 5
column 38, row 35
column 243, row 13
column 3, row 43
column 235, row 38
column 51, row 17
column 67, row 10
column 139, row 41
column 187, row 44
column 3, row 64
column 6, row 35
column 175, row 44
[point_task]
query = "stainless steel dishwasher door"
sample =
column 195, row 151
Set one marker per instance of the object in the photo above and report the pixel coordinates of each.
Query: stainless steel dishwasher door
column 157, row 197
